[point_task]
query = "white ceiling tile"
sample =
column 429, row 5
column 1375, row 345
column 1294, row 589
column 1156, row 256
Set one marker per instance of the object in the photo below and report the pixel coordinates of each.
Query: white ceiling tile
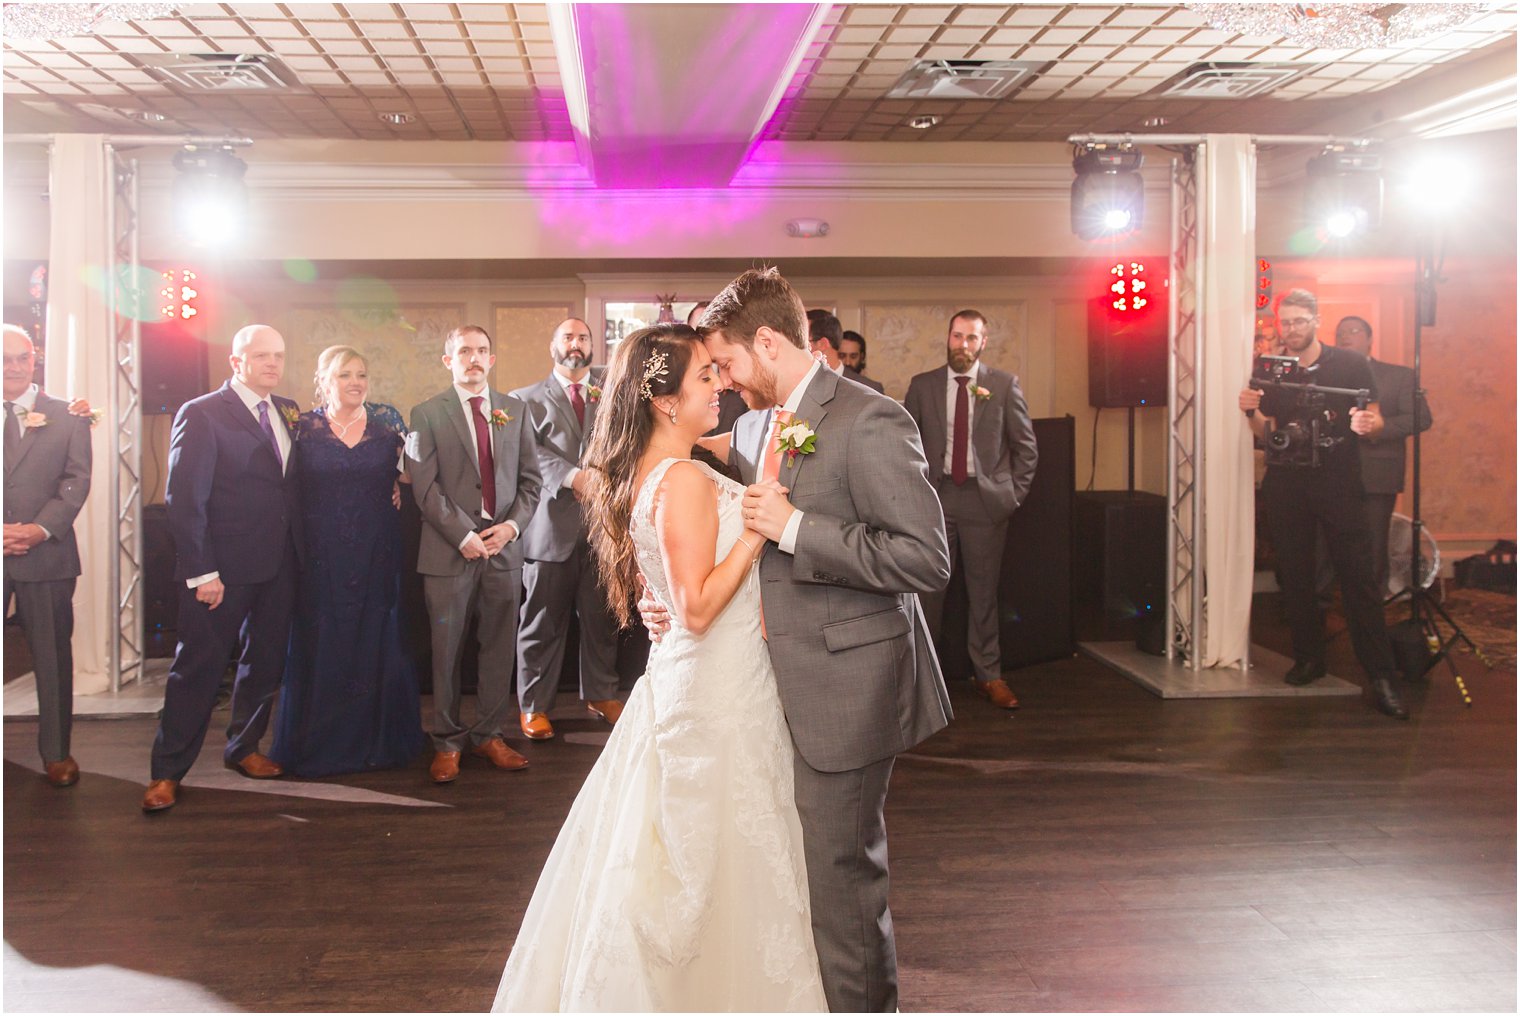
column 448, row 30
column 1032, row 14
column 479, row 32
column 864, row 35
column 1067, row 36
column 1085, row 14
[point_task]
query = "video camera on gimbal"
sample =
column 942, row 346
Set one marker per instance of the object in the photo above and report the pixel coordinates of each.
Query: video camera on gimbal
column 1309, row 430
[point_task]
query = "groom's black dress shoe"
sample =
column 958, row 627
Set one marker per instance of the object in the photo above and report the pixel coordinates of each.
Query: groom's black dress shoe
column 256, row 767
column 1387, row 699
column 1305, row 672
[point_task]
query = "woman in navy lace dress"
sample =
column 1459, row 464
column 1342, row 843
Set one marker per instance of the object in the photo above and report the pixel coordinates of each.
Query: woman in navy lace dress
column 350, row 698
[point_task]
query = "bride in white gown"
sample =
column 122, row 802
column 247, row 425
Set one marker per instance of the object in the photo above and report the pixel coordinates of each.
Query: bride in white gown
column 677, row 882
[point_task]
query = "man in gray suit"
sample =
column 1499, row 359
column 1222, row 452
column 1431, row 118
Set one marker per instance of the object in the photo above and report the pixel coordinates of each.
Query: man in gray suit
column 475, row 475
column 47, row 477
column 981, row 449
column 1382, row 454
column 856, row 535
column 559, row 571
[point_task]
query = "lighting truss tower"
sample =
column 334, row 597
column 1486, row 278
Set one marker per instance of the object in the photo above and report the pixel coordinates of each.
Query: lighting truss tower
column 1184, row 449
column 128, row 300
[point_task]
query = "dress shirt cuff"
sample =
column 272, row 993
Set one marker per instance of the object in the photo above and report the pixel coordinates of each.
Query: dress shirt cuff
column 515, row 531
column 569, row 481
column 201, row 580
column 465, row 540
column 788, row 541
column 45, row 534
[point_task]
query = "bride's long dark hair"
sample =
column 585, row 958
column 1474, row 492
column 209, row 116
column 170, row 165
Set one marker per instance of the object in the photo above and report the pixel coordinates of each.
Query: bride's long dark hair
column 619, row 438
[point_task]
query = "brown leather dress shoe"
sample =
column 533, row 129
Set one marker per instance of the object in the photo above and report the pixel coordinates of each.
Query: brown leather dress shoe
column 998, row 693
column 445, row 767
column 256, row 767
column 64, row 773
column 161, row 795
column 536, row 726
column 500, row 755
column 606, row 709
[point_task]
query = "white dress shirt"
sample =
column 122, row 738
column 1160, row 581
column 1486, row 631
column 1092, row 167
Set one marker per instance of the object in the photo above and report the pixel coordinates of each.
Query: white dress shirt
column 951, row 388
column 788, row 541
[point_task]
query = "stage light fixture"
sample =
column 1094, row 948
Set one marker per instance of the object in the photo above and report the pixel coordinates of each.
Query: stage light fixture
column 210, row 203
column 1108, row 195
column 1344, row 195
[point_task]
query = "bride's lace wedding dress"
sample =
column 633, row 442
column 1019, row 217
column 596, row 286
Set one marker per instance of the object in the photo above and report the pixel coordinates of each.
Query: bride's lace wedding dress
column 678, row 882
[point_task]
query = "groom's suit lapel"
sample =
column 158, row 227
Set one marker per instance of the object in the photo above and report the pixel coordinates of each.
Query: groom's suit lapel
column 812, row 410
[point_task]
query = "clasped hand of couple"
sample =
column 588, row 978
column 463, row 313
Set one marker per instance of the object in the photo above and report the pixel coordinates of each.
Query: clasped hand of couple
column 766, row 511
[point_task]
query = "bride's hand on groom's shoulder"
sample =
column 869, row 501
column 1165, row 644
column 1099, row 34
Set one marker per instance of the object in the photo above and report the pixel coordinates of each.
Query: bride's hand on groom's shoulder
column 655, row 617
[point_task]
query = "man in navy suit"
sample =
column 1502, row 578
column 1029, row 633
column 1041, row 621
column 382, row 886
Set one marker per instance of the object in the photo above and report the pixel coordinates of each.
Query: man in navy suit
column 234, row 513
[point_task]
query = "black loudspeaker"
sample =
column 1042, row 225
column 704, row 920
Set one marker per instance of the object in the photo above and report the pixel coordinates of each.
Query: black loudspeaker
column 1034, row 596
column 1126, row 354
column 173, row 367
column 160, row 591
column 1120, row 577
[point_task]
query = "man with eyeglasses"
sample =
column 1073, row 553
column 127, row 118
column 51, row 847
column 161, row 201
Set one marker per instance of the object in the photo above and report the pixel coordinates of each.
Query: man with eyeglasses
column 1298, row 499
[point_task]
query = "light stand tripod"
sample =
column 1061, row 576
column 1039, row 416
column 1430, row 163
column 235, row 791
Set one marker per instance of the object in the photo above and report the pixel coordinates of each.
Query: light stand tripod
column 1424, row 610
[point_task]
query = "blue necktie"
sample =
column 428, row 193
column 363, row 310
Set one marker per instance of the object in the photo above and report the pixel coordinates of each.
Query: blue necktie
column 269, row 433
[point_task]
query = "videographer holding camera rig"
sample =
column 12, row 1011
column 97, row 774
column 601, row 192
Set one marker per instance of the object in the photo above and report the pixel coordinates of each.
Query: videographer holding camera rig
column 1309, row 408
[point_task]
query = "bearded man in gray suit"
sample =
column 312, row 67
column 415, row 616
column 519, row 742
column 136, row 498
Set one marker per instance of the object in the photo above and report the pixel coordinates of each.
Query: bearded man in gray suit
column 47, row 477
column 475, row 475
column 980, row 442
column 559, row 572
column 856, row 534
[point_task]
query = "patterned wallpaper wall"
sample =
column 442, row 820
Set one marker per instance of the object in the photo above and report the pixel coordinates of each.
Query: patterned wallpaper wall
column 904, row 338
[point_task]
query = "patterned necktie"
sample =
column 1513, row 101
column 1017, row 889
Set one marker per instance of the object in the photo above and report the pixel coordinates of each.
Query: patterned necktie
column 577, row 403
column 962, row 425
column 771, row 464
column 12, row 433
column 269, row 432
column 483, row 450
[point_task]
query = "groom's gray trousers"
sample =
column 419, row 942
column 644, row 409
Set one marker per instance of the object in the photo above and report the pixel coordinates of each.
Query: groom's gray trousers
column 846, row 851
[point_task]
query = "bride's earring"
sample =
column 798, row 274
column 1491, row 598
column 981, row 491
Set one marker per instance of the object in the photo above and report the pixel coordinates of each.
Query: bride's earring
column 672, row 414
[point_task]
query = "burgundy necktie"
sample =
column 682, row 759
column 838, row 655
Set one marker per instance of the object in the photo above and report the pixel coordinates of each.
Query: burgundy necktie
column 269, row 432
column 483, row 449
column 962, row 425
column 577, row 403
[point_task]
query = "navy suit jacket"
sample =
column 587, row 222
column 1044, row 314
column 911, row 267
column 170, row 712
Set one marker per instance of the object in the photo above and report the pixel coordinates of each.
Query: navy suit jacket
column 229, row 508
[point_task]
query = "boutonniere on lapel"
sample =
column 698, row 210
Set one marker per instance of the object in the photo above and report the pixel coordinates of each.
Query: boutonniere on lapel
column 982, row 394
column 796, row 438
column 34, row 420
column 291, row 415
column 593, row 393
column 499, row 418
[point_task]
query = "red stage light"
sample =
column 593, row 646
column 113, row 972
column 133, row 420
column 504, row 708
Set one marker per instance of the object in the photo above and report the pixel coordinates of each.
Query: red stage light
column 179, row 294
column 1129, row 282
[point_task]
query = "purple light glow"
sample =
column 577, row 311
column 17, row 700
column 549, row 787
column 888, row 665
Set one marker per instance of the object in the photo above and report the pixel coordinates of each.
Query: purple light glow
column 676, row 95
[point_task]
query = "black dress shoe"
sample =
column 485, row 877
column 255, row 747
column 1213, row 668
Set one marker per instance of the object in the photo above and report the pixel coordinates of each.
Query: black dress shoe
column 1304, row 672
column 1387, row 699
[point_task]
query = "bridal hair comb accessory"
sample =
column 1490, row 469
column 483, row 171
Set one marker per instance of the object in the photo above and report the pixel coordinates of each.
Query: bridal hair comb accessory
column 654, row 367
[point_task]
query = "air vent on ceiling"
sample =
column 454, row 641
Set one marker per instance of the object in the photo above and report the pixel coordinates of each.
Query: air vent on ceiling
column 222, row 72
column 1222, row 80
column 967, row 79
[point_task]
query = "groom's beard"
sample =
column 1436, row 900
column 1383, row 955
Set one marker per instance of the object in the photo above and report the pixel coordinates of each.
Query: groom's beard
column 762, row 391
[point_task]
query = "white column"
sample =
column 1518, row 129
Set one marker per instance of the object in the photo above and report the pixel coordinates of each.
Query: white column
column 1226, row 174
column 80, row 362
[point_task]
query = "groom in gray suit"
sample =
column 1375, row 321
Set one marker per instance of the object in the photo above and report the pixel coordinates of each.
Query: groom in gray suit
column 981, row 448
column 856, row 534
column 475, row 476
column 559, row 571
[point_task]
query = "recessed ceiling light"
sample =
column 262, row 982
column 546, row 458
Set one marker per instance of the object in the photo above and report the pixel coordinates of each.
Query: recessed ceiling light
column 923, row 123
column 147, row 116
column 395, row 119
column 1155, row 121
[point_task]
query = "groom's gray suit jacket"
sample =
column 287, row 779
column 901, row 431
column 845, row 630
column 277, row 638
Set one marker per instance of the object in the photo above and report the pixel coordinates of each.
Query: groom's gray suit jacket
column 857, row 674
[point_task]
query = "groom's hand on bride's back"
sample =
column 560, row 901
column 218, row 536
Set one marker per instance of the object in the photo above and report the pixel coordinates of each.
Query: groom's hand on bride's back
column 655, row 617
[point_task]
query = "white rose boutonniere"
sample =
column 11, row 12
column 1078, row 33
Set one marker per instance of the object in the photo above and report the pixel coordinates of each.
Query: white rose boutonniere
column 796, row 438
column 34, row 420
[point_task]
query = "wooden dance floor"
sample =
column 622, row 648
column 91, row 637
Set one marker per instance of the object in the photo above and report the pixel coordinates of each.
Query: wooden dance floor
column 1101, row 849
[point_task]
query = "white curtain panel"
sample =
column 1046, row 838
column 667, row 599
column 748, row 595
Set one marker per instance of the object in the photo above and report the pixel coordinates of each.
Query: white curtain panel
column 1227, row 247
column 80, row 343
